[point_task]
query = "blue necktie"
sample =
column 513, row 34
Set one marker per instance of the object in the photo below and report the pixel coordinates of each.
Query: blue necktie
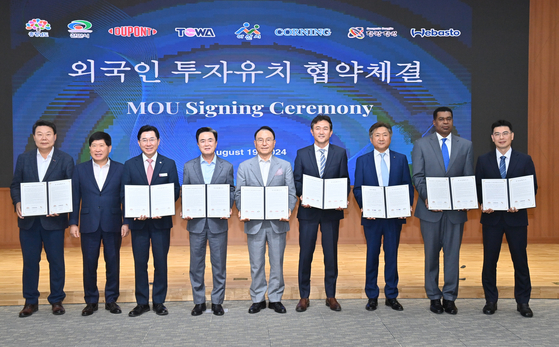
column 383, row 170
column 503, row 167
column 446, row 157
column 322, row 161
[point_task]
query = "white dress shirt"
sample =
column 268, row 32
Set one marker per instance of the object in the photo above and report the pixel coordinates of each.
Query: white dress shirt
column 378, row 158
column 152, row 163
column 43, row 164
column 448, row 142
column 507, row 158
column 264, row 168
column 101, row 172
column 317, row 154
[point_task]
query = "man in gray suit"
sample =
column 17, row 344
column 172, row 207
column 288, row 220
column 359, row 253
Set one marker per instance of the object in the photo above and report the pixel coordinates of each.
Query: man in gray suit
column 208, row 169
column 266, row 170
column 441, row 154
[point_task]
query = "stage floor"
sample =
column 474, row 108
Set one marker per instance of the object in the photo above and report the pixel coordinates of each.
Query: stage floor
column 543, row 261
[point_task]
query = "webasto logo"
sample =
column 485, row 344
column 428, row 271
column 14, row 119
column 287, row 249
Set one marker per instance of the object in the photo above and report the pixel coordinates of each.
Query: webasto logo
column 303, row 32
column 434, row 33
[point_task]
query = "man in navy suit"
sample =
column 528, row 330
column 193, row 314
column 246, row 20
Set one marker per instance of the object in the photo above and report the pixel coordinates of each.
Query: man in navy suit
column 42, row 165
column 208, row 168
column 96, row 183
column 504, row 162
column 325, row 160
column 150, row 168
column 382, row 167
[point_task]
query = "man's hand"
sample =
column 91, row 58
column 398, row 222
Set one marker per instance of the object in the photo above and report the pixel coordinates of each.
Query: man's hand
column 75, row 231
column 286, row 219
column 53, row 215
column 486, row 211
column 243, row 220
column 305, row 206
column 427, row 205
column 124, row 230
column 141, row 218
column 230, row 212
column 512, row 210
column 18, row 210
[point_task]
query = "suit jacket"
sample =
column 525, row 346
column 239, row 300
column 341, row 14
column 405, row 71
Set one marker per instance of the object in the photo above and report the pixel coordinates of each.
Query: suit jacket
column 366, row 175
column 98, row 207
column 427, row 161
column 223, row 174
column 335, row 167
column 280, row 174
column 134, row 173
column 520, row 164
column 60, row 168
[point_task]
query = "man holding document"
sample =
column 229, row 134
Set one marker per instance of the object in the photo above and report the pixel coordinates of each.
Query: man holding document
column 45, row 164
column 96, row 185
column 149, row 169
column 265, row 170
column 504, row 162
column 382, row 167
column 208, row 168
column 441, row 154
column 321, row 160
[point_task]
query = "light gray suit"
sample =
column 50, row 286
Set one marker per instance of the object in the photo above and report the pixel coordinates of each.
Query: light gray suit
column 212, row 230
column 261, row 231
column 440, row 228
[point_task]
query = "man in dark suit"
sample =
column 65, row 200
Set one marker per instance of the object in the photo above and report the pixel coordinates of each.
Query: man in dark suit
column 96, row 183
column 325, row 160
column 42, row 165
column 441, row 154
column 208, row 168
column 504, row 162
column 382, row 167
column 150, row 168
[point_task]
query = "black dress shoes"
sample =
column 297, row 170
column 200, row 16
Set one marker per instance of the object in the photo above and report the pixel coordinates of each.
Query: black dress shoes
column 113, row 307
column 302, row 305
column 333, row 304
column 160, row 309
column 58, row 309
column 257, row 306
column 277, row 306
column 394, row 304
column 372, row 304
column 138, row 310
column 217, row 309
column 198, row 309
column 436, row 306
column 28, row 310
column 450, row 307
column 490, row 307
column 524, row 310
column 89, row 309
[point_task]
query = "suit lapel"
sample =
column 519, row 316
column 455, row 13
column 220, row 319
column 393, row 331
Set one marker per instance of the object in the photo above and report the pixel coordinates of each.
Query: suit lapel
column 255, row 167
column 455, row 146
column 512, row 163
column 53, row 163
column 34, row 166
column 274, row 166
column 494, row 166
column 158, row 165
column 111, row 173
column 434, row 141
column 217, row 170
column 312, row 159
column 198, row 170
column 142, row 169
column 393, row 175
column 91, row 174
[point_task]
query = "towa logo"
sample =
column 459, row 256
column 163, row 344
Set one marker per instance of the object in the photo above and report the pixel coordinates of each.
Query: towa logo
column 195, row 32
column 36, row 27
column 79, row 29
column 434, row 33
column 132, row 31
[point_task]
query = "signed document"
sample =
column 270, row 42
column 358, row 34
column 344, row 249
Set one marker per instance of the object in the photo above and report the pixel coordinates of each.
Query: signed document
column 219, row 200
column 464, row 192
column 373, row 202
column 162, row 200
column 194, row 200
column 522, row 194
column 335, row 193
column 438, row 193
column 398, row 201
column 277, row 203
column 34, row 199
column 495, row 194
column 313, row 191
column 60, row 196
column 252, row 202
column 136, row 201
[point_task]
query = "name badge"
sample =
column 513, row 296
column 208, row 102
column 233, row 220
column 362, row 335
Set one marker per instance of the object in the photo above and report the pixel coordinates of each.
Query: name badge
column 163, row 174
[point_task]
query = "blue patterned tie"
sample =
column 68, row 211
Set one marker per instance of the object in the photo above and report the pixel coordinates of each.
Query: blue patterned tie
column 322, row 161
column 383, row 170
column 503, row 167
column 446, row 157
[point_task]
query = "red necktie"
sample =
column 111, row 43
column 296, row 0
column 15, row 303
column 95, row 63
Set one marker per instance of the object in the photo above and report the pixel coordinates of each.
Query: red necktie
column 150, row 170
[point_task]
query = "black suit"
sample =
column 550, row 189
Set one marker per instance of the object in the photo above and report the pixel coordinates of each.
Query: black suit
column 38, row 232
column 311, row 218
column 513, row 225
column 156, row 232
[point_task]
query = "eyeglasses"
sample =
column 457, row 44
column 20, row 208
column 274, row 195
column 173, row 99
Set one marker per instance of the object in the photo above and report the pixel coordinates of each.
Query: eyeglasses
column 151, row 140
column 504, row 134
column 268, row 140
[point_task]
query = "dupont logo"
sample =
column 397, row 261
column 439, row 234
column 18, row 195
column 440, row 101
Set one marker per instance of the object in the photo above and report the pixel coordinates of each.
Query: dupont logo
column 79, row 29
column 36, row 27
column 434, row 33
column 132, row 31
column 195, row 32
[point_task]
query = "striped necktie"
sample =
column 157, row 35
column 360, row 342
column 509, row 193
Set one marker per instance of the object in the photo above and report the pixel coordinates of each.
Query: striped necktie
column 503, row 167
column 322, row 161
